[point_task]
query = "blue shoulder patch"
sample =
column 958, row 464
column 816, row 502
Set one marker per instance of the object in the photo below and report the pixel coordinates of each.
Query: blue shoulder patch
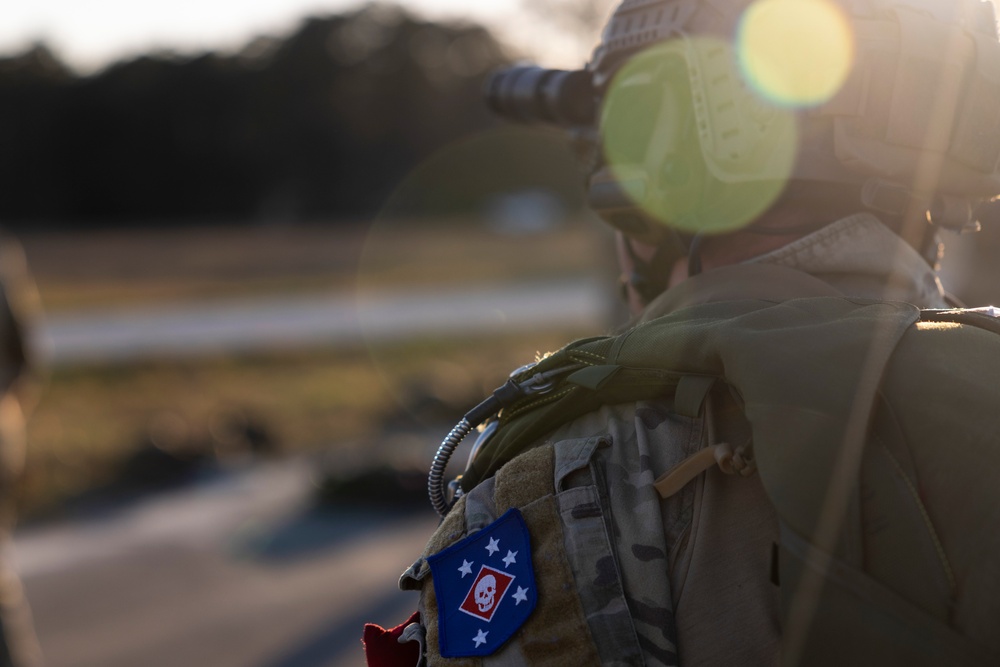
column 485, row 588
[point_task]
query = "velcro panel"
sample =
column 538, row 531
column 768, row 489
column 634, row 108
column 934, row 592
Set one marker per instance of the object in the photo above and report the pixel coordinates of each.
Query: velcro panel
column 432, row 644
column 977, row 134
column 874, row 41
column 526, row 478
column 933, row 61
column 557, row 633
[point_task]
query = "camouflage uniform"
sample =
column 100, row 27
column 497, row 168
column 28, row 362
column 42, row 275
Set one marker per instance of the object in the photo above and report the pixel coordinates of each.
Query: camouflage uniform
column 630, row 579
column 607, row 600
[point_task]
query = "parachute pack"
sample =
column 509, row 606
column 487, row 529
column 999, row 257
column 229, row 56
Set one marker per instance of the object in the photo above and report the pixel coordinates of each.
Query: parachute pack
column 840, row 394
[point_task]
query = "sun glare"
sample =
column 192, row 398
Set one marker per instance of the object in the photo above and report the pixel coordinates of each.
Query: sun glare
column 690, row 143
column 795, row 52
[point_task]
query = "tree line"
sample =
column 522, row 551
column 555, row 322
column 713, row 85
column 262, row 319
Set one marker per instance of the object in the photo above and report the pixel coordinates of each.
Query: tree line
column 321, row 124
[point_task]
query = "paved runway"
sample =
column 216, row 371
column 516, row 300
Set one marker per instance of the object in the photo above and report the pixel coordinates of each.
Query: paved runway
column 117, row 334
column 238, row 571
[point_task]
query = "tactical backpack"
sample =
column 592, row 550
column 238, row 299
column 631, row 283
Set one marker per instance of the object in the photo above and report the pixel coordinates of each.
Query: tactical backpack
column 821, row 381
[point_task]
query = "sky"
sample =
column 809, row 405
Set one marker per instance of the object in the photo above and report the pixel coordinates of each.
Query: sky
column 90, row 33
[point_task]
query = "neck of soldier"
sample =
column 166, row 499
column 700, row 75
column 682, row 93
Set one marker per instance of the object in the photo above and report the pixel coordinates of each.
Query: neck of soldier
column 738, row 247
column 727, row 250
column 716, row 252
column 778, row 227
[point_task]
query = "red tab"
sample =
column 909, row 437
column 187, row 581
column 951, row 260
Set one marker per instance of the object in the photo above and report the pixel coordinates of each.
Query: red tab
column 382, row 647
column 486, row 593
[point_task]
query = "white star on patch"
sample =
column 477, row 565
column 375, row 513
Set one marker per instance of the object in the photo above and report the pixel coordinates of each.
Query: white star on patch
column 480, row 638
column 466, row 568
column 494, row 546
column 521, row 595
column 510, row 560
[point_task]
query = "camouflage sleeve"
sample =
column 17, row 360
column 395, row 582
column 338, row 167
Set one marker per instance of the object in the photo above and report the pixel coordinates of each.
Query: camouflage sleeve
column 599, row 547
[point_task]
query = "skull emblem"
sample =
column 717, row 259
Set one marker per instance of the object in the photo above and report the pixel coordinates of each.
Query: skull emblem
column 486, row 591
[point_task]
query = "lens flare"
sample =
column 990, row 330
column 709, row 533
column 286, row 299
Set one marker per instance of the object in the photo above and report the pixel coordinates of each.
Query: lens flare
column 795, row 52
column 690, row 144
column 439, row 256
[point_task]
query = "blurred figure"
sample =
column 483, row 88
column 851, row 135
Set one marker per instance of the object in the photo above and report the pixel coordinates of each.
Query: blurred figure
column 19, row 310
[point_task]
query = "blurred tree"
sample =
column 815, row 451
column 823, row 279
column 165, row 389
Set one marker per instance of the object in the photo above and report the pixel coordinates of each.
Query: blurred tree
column 321, row 124
column 32, row 87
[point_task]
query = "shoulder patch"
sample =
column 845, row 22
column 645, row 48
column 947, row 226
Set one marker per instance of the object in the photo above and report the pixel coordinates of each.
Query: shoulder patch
column 485, row 587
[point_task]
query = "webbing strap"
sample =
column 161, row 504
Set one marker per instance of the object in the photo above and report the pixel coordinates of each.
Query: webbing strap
column 692, row 390
column 731, row 461
column 681, row 474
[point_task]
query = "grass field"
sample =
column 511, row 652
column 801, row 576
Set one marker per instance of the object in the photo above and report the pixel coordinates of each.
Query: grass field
column 92, row 420
column 122, row 267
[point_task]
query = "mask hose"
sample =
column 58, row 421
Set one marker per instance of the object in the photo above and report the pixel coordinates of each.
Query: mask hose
column 435, row 479
column 512, row 391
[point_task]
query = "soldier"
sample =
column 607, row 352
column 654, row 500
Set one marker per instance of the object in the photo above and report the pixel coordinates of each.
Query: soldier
column 752, row 155
column 19, row 307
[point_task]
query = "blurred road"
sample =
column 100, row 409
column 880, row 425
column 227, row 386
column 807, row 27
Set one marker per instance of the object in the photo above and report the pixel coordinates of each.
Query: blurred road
column 239, row 570
column 191, row 329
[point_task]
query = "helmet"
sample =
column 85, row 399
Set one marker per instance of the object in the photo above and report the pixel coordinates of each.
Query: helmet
column 714, row 109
